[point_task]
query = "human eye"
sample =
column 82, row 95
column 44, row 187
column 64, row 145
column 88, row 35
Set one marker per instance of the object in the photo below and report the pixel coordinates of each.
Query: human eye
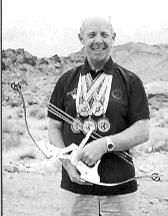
column 105, row 34
column 91, row 34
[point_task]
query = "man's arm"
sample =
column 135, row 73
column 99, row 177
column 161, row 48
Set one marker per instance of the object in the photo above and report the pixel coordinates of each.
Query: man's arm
column 130, row 137
column 55, row 133
column 136, row 134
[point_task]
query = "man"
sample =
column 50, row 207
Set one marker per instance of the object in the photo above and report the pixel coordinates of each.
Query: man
column 112, row 99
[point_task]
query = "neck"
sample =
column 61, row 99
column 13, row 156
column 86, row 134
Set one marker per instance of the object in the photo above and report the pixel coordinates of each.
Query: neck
column 97, row 65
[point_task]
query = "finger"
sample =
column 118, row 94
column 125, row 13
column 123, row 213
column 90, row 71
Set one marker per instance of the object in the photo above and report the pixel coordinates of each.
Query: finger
column 80, row 181
column 85, row 182
column 76, row 180
column 85, row 159
column 87, row 162
column 75, row 177
column 79, row 155
column 91, row 164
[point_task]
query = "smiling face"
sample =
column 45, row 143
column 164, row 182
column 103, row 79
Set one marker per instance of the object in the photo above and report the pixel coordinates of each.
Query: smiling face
column 97, row 37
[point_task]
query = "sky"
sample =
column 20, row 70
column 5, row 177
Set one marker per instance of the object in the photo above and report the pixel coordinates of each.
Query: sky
column 49, row 27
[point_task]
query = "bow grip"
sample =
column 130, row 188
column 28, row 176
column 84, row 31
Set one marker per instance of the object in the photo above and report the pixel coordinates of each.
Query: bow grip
column 89, row 174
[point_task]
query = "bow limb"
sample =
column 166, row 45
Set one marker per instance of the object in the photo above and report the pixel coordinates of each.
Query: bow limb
column 111, row 184
column 90, row 174
column 17, row 87
column 154, row 176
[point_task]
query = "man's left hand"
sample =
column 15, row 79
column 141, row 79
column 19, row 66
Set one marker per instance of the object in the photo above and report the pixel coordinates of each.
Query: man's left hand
column 93, row 151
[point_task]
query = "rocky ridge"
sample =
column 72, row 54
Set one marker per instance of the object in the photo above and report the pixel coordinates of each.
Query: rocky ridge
column 150, row 62
column 146, row 60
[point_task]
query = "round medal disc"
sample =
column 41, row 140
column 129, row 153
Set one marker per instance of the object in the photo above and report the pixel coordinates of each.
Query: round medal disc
column 87, row 124
column 84, row 109
column 103, row 125
column 76, row 126
column 97, row 108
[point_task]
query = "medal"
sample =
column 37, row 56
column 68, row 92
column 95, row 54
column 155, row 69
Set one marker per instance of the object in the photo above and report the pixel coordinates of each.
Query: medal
column 76, row 126
column 97, row 108
column 84, row 109
column 92, row 99
column 87, row 124
column 103, row 125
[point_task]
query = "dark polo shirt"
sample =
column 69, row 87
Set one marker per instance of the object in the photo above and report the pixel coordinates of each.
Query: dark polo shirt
column 127, row 104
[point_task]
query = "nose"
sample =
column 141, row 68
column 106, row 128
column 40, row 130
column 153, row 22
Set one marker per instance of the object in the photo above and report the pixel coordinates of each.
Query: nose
column 98, row 39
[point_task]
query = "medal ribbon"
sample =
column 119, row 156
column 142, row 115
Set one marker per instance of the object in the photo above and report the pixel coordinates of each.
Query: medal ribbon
column 94, row 86
column 88, row 89
column 100, row 89
column 78, row 94
column 108, row 89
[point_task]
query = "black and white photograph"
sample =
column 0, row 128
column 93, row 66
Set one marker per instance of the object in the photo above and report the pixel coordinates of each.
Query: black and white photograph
column 84, row 111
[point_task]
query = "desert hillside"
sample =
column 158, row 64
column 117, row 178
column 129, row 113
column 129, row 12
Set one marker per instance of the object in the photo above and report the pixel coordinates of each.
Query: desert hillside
column 30, row 180
column 150, row 62
column 145, row 60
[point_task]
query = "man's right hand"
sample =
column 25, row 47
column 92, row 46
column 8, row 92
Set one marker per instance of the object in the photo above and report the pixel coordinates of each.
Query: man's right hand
column 73, row 172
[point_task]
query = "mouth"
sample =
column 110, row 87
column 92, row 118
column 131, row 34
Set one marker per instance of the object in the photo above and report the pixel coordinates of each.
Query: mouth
column 98, row 49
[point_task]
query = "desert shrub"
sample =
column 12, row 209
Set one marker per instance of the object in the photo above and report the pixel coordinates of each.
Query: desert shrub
column 163, row 124
column 9, row 116
column 32, row 101
column 3, row 66
column 10, row 141
column 162, row 146
column 23, row 68
column 43, row 127
column 11, row 126
column 27, row 156
column 15, row 103
column 33, row 112
column 12, row 131
column 6, row 127
column 19, row 113
column 38, row 113
column 153, row 145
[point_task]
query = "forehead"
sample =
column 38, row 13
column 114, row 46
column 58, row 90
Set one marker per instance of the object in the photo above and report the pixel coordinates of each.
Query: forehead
column 97, row 24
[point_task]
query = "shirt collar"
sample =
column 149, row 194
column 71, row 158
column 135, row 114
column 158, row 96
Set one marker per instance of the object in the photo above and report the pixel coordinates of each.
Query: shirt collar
column 108, row 67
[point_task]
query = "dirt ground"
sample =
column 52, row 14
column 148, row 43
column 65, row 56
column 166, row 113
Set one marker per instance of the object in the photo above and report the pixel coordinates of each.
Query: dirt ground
column 30, row 192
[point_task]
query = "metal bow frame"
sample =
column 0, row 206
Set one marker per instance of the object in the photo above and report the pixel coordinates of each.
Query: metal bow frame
column 69, row 119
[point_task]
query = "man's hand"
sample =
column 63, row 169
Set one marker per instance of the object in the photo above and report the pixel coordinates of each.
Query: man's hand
column 73, row 172
column 93, row 151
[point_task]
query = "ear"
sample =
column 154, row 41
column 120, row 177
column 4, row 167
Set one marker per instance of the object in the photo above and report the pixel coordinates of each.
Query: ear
column 114, row 36
column 80, row 38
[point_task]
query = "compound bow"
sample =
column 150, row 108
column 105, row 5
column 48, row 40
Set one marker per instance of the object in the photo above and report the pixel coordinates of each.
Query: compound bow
column 88, row 174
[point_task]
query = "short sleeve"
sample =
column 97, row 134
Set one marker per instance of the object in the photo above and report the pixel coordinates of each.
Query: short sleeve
column 138, row 106
column 56, row 101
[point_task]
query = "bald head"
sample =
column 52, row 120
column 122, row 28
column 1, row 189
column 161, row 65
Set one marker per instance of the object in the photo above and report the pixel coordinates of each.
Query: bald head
column 97, row 37
column 98, row 19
